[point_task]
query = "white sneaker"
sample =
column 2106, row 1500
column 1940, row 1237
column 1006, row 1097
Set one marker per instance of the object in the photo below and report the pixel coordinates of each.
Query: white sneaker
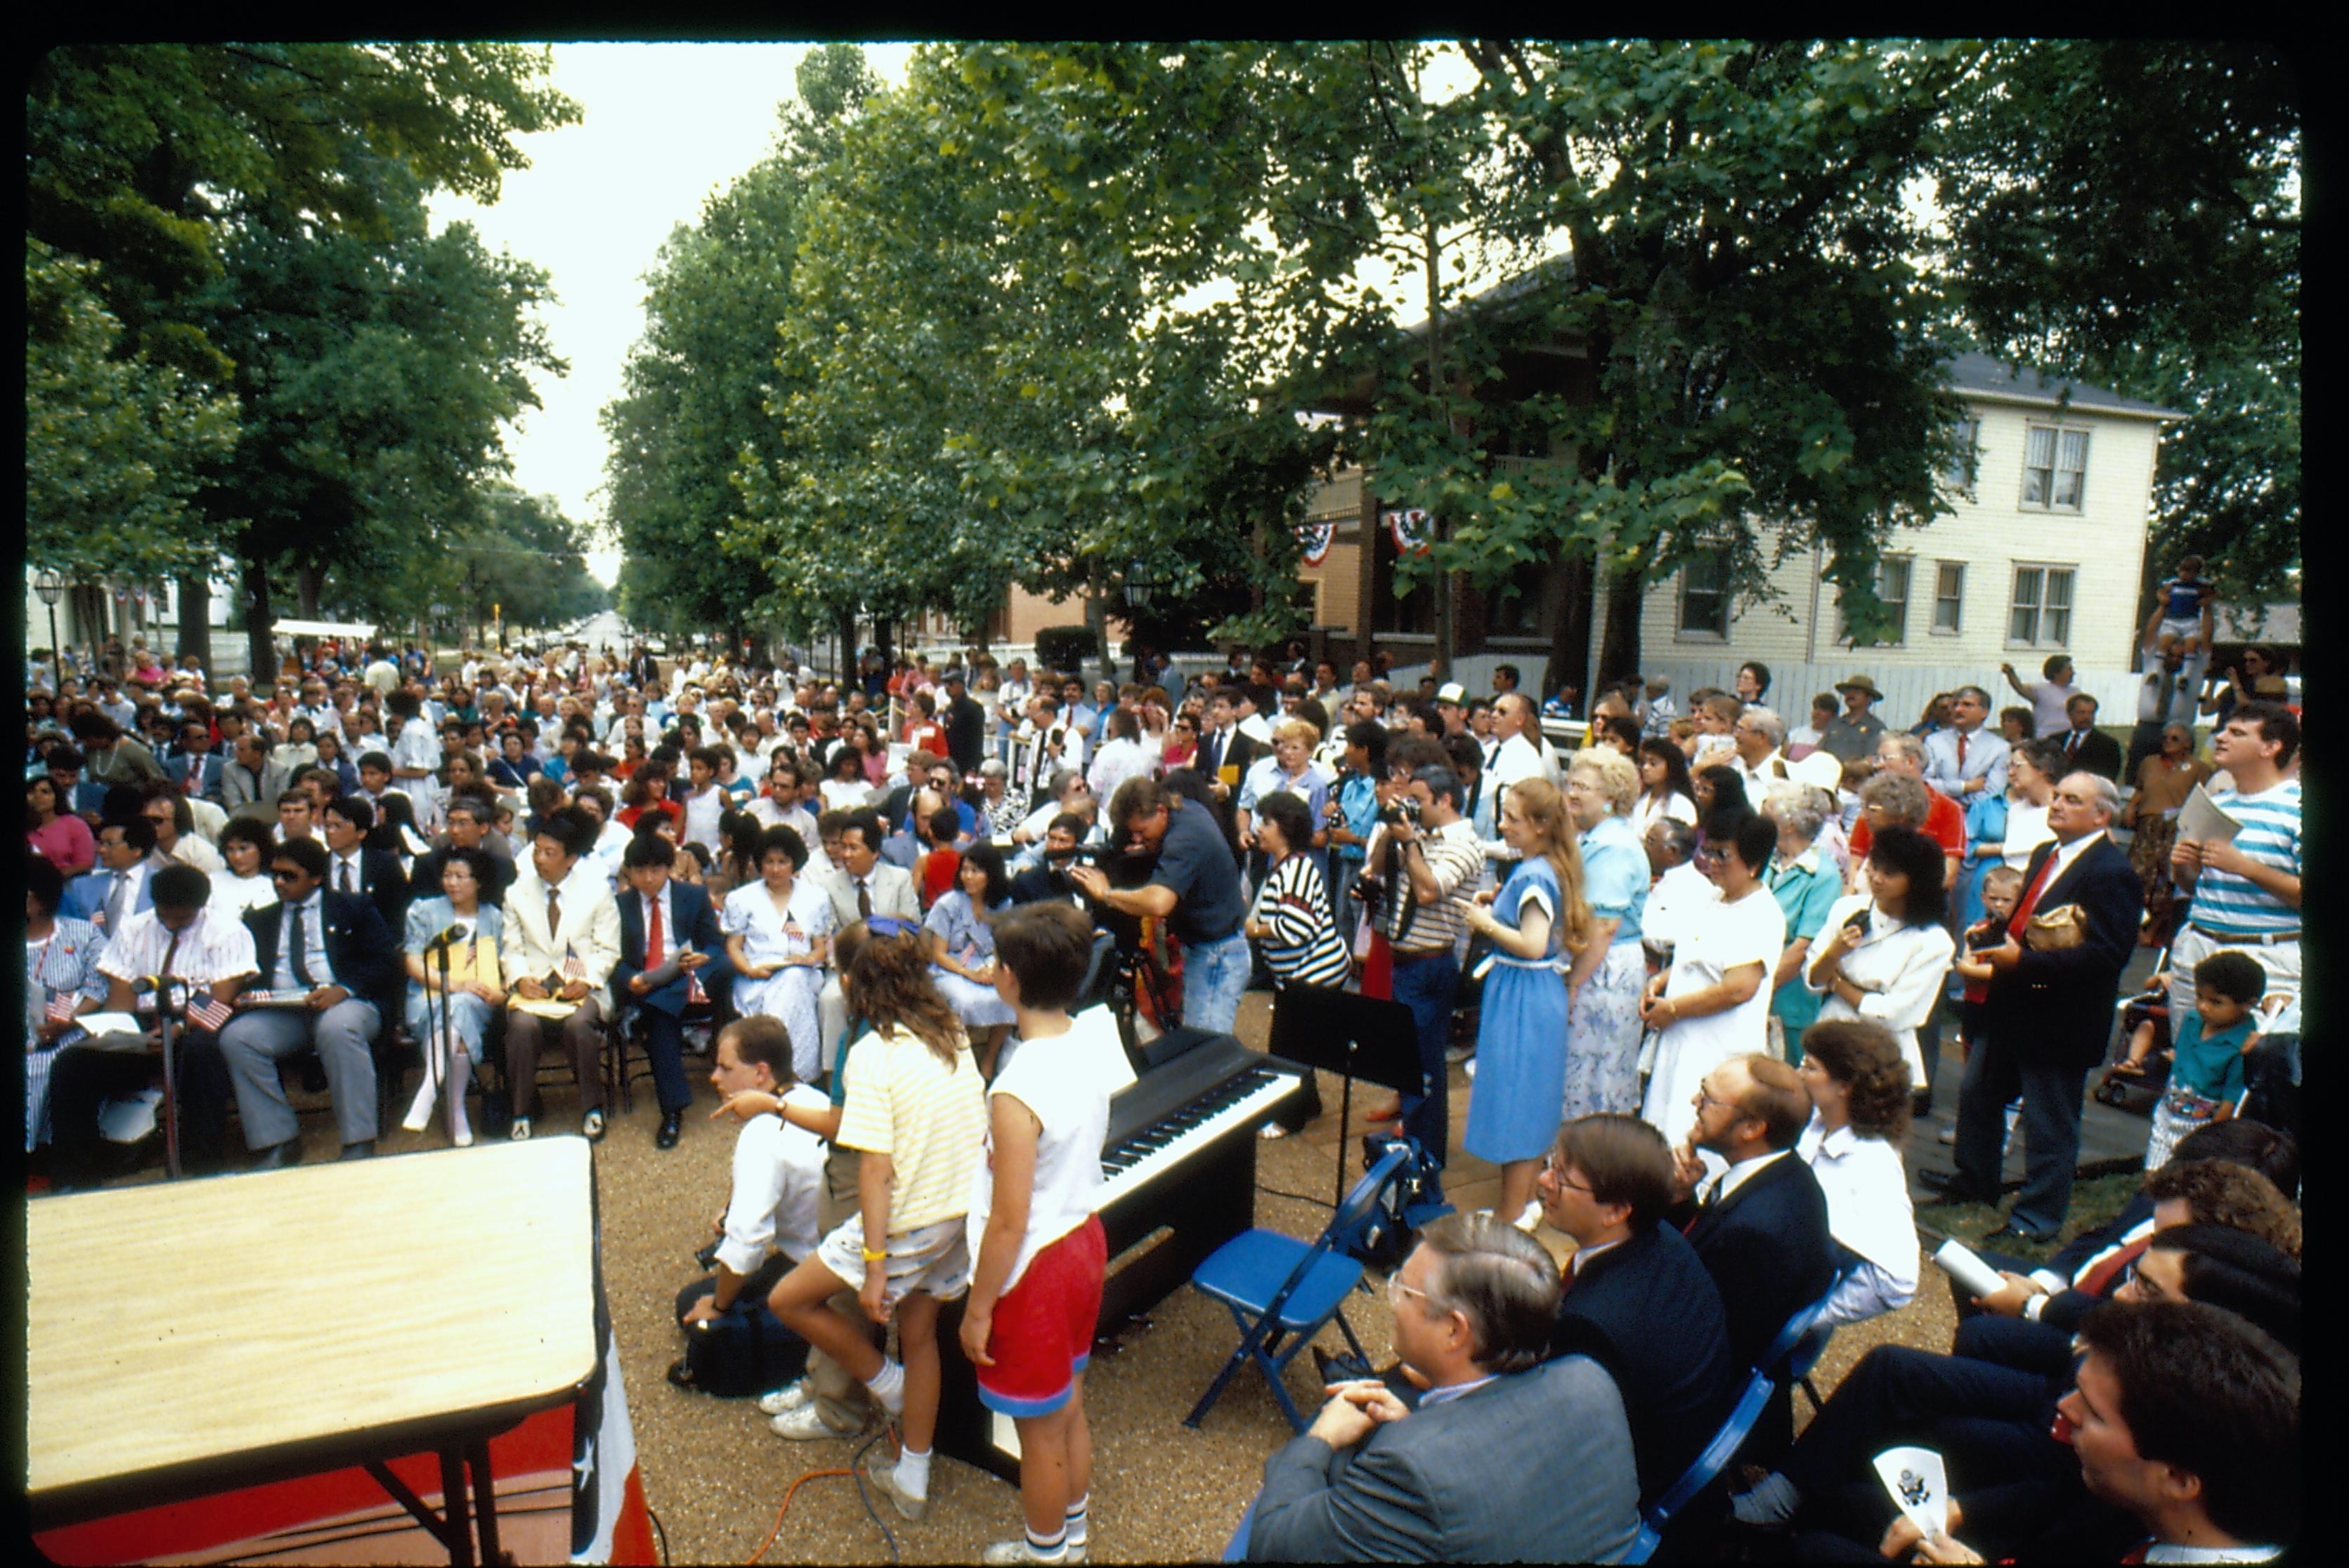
column 790, row 1397
column 1017, row 1552
column 805, row 1425
column 464, row 1139
column 521, row 1133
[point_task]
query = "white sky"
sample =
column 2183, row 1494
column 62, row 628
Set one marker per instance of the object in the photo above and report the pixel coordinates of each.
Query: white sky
column 666, row 126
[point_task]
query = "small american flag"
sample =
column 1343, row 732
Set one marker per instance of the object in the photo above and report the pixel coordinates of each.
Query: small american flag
column 574, row 968
column 61, row 1007
column 694, row 994
column 206, row 1012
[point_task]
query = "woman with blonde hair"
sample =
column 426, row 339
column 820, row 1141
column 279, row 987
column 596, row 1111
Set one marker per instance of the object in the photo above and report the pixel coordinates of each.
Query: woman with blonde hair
column 1536, row 919
column 1602, row 1030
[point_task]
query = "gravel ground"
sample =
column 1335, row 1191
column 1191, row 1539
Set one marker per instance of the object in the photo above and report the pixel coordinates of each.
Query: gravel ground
column 715, row 1476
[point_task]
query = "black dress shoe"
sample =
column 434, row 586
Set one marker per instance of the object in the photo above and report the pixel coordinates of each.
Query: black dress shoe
column 672, row 1127
column 1950, row 1187
column 363, row 1149
column 2013, row 1234
column 278, row 1156
column 1340, row 1365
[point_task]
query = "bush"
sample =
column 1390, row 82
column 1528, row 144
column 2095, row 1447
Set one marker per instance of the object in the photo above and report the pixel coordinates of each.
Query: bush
column 1066, row 649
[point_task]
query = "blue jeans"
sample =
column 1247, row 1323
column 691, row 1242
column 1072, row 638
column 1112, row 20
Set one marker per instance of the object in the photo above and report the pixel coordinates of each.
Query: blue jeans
column 1214, row 975
column 1426, row 986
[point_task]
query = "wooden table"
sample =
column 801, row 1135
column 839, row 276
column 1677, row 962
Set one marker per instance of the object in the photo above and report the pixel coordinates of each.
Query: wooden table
column 193, row 1337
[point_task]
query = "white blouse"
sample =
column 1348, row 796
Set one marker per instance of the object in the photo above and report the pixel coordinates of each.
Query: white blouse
column 1869, row 1213
column 1899, row 967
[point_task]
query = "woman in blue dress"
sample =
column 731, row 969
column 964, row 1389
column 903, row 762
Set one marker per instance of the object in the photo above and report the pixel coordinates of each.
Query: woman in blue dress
column 1536, row 918
column 961, row 927
column 476, row 990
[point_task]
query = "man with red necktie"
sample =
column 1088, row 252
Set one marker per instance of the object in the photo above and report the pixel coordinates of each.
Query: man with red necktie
column 2049, row 1011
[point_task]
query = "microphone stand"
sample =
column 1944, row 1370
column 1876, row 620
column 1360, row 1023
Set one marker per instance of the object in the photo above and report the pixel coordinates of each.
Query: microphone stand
column 170, row 1086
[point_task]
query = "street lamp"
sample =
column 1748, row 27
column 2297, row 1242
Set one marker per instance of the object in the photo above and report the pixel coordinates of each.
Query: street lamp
column 51, row 586
column 1140, row 582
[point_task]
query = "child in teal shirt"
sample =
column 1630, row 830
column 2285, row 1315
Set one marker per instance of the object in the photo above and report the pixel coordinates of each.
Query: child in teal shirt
column 2205, row 1066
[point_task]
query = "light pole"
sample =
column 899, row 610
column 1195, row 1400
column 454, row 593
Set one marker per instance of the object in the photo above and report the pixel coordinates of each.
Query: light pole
column 1139, row 584
column 51, row 586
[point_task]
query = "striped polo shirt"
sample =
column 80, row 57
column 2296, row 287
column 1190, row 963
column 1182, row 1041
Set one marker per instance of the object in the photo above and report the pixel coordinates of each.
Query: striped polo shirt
column 1301, row 944
column 928, row 1118
column 2234, row 906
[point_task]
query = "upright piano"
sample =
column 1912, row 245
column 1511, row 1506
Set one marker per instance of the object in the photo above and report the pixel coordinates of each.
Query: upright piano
column 1179, row 1169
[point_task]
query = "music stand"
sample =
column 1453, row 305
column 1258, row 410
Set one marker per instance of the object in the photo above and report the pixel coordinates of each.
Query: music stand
column 1353, row 1035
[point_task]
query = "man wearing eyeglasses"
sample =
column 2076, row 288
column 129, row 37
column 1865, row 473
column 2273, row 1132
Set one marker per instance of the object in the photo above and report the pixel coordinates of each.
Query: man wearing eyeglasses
column 335, row 948
column 1506, row 1457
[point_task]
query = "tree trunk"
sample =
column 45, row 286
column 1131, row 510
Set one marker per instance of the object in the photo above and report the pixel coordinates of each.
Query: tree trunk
column 310, row 583
column 1618, row 645
column 196, row 619
column 261, row 657
column 1568, row 627
column 846, row 634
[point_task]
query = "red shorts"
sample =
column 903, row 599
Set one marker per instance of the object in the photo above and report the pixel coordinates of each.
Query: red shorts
column 1043, row 1330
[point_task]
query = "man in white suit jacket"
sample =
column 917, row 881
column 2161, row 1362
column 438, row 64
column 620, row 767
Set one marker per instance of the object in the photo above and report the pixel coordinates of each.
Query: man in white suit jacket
column 862, row 885
column 562, row 940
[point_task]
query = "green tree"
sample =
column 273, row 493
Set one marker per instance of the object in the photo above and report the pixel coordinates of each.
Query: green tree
column 375, row 377
column 2129, row 212
column 696, row 385
column 112, row 445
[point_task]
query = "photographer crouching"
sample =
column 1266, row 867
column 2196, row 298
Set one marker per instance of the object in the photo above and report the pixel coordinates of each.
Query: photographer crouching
column 734, row 1346
column 1194, row 887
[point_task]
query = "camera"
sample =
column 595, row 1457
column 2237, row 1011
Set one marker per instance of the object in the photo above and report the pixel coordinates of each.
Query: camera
column 706, row 1256
column 1402, row 808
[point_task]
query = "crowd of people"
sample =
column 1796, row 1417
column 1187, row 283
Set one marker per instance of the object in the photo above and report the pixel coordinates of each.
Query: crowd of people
column 1698, row 968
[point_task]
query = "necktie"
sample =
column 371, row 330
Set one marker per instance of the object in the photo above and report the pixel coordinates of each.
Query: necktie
column 654, row 946
column 2030, row 904
column 300, row 960
column 553, row 913
column 1961, row 754
column 2099, row 1278
column 346, row 886
column 116, row 898
column 864, row 898
column 2071, row 744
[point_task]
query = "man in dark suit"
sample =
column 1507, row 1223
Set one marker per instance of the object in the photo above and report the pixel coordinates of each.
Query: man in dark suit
column 2085, row 746
column 1637, row 1300
column 965, row 724
column 1221, row 744
column 193, row 770
column 335, row 946
column 1505, row 1457
column 122, row 882
column 1761, row 1228
column 2050, row 1010
column 669, row 938
column 467, row 829
column 351, row 868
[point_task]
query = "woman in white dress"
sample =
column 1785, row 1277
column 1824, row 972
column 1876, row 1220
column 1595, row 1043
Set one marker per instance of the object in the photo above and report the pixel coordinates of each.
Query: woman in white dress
column 846, row 789
column 1714, row 1001
column 243, row 883
column 1665, row 787
column 1859, row 1116
column 1884, row 954
column 777, row 935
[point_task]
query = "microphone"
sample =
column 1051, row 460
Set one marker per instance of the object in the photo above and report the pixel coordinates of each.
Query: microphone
column 446, row 940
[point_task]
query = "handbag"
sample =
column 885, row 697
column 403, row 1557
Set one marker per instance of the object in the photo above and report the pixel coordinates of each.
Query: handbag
column 2053, row 930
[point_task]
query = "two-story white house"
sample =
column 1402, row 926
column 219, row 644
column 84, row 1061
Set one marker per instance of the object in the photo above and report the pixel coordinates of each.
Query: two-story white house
column 2044, row 554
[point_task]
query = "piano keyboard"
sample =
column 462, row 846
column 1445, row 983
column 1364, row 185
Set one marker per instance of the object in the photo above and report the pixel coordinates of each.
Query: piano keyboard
column 1242, row 1104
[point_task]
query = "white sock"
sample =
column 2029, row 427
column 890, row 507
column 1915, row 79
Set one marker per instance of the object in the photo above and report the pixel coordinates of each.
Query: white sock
column 460, row 1069
column 1054, row 1550
column 1771, row 1501
column 913, row 1475
column 1076, row 1525
column 419, row 1113
column 888, row 1385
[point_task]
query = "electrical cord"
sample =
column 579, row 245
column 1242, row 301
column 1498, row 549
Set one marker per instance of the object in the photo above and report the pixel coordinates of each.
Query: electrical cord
column 658, row 1532
column 1295, row 1197
column 853, row 1472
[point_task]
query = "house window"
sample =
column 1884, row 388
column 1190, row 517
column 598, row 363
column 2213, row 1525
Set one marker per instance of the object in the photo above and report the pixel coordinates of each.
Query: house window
column 1892, row 589
column 2041, row 614
column 1949, row 599
column 1959, row 475
column 1704, row 598
column 2054, row 468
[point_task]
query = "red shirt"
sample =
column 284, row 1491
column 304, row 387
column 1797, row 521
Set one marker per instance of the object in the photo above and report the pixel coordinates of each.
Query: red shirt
column 1945, row 824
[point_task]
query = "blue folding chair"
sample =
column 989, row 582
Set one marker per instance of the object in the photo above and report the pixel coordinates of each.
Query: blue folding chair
column 1281, row 1290
column 1800, row 1343
column 1704, row 1470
